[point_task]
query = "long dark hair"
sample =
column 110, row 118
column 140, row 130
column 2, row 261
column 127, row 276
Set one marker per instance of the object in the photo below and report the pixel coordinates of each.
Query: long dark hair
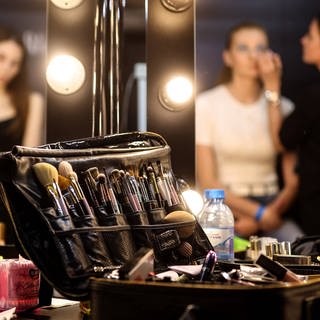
column 18, row 87
column 317, row 17
column 226, row 72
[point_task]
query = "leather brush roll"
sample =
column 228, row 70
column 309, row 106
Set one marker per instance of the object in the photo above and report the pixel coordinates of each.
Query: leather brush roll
column 141, row 237
column 97, row 252
column 68, row 244
column 120, row 242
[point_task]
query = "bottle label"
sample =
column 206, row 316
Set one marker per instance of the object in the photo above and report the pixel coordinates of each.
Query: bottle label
column 222, row 241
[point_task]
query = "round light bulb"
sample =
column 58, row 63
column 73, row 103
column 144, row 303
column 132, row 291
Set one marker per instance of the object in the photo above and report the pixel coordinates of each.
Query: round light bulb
column 65, row 74
column 177, row 5
column 193, row 200
column 179, row 90
column 66, row 4
column 176, row 93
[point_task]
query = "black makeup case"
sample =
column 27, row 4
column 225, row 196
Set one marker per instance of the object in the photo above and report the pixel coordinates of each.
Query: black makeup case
column 85, row 236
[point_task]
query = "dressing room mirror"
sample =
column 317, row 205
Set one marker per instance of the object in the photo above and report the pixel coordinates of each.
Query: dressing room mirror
column 285, row 21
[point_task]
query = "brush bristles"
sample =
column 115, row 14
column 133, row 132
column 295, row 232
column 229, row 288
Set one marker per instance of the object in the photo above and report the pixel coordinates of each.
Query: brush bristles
column 65, row 168
column 115, row 173
column 46, row 173
column 94, row 171
column 73, row 176
column 101, row 178
column 63, row 182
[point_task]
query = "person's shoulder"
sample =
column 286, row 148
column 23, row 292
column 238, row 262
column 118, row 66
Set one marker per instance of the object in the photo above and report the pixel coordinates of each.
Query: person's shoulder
column 216, row 90
column 211, row 95
column 287, row 105
column 285, row 100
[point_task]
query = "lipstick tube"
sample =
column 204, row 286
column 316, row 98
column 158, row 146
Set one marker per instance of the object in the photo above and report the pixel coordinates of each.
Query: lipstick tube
column 277, row 269
column 208, row 266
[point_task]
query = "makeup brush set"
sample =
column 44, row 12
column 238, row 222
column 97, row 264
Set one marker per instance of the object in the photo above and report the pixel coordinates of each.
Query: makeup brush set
column 83, row 208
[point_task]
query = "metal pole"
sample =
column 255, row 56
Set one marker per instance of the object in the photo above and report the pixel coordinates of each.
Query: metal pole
column 108, row 31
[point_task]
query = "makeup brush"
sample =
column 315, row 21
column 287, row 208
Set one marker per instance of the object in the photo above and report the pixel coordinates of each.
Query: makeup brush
column 65, row 169
column 153, row 183
column 127, row 190
column 91, row 188
column 48, row 176
column 120, row 189
column 108, row 191
column 71, row 197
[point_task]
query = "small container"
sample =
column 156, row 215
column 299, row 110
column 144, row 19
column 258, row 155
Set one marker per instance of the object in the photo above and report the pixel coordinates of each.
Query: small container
column 20, row 282
column 2, row 234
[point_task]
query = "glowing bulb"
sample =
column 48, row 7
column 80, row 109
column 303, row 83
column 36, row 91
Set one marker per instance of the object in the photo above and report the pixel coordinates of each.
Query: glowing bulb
column 179, row 90
column 66, row 4
column 177, row 5
column 176, row 93
column 193, row 200
column 65, row 74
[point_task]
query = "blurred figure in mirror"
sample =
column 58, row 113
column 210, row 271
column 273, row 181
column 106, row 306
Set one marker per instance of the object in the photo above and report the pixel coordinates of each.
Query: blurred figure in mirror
column 301, row 132
column 21, row 111
column 237, row 144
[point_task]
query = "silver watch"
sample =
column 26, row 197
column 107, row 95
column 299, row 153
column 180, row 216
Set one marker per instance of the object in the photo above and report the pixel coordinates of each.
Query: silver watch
column 272, row 96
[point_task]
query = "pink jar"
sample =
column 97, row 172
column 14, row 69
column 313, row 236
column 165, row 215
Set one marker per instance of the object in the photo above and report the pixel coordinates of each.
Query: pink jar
column 19, row 284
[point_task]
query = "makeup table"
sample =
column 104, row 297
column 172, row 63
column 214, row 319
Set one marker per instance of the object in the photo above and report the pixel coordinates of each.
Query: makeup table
column 169, row 300
column 68, row 312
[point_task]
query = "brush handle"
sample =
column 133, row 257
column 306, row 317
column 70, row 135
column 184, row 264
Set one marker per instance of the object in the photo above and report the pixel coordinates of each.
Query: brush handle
column 55, row 200
column 61, row 199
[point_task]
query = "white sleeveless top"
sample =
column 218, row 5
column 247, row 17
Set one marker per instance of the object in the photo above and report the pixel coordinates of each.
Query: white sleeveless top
column 240, row 136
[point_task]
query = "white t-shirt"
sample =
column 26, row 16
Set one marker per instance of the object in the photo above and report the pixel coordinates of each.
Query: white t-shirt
column 240, row 136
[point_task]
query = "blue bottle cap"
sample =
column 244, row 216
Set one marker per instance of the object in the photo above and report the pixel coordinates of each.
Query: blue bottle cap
column 214, row 194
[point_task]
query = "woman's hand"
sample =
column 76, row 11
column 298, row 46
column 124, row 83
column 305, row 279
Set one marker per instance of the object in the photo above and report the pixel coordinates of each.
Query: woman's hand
column 246, row 226
column 270, row 220
column 270, row 67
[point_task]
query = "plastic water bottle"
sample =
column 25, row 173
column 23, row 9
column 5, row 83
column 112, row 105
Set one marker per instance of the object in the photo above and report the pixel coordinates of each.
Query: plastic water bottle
column 217, row 222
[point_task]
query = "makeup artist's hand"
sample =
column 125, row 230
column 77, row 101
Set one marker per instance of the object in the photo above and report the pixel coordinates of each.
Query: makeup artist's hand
column 270, row 67
column 271, row 219
column 246, row 226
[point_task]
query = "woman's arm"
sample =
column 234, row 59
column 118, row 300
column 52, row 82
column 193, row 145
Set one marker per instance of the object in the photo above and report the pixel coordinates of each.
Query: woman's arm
column 34, row 134
column 270, row 66
column 274, row 211
column 275, row 122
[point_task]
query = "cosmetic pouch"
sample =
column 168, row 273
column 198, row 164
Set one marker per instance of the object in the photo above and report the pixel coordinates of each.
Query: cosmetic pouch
column 307, row 245
column 114, row 195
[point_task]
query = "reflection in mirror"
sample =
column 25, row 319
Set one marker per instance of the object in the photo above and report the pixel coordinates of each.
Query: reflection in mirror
column 23, row 105
column 285, row 22
column 237, row 123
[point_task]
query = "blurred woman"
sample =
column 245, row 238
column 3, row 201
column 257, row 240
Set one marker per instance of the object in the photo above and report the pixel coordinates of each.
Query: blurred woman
column 237, row 126
column 301, row 132
column 21, row 111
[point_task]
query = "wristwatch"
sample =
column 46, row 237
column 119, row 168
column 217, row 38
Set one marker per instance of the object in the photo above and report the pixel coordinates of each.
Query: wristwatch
column 272, row 96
